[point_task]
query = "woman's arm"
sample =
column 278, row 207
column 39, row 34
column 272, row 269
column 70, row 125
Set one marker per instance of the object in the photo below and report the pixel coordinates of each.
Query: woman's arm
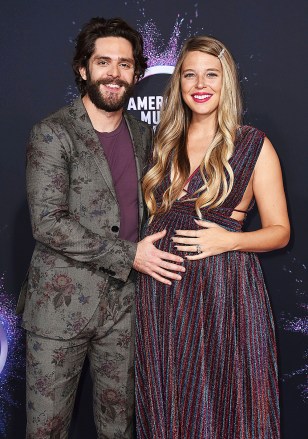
column 267, row 186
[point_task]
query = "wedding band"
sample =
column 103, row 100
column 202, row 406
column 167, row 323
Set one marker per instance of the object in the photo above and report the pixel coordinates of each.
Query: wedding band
column 198, row 247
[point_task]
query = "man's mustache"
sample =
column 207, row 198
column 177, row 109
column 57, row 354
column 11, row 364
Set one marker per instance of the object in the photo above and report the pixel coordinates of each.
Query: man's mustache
column 118, row 82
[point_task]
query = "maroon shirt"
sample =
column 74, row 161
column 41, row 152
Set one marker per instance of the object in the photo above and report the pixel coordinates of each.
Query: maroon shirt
column 119, row 151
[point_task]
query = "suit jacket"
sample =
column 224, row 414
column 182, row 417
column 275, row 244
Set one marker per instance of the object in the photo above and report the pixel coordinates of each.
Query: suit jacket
column 75, row 220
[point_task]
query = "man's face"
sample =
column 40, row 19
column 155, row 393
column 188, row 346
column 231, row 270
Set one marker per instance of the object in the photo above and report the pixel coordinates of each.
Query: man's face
column 110, row 74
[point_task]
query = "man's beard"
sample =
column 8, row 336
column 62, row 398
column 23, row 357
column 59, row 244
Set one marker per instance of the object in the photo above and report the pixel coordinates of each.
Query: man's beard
column 109, row 101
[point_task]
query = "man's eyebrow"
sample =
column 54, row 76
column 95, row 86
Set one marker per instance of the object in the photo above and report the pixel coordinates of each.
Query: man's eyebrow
column 130, row 60
column 108, row 58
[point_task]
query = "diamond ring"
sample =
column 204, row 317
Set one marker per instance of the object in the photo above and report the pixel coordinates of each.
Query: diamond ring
column 198, row 247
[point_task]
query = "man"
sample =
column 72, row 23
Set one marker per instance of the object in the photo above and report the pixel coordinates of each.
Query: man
column 84, row 165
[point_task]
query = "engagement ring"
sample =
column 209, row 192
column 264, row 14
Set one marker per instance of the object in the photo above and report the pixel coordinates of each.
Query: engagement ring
column 198, row 247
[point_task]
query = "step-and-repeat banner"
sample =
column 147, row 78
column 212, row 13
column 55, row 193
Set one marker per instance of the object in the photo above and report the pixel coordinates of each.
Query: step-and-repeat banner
column 267, row 40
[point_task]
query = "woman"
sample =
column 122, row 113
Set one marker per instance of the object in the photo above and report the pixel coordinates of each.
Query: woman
column 205, row 346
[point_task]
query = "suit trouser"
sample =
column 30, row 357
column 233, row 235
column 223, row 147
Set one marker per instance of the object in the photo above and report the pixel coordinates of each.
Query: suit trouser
column 54, row 368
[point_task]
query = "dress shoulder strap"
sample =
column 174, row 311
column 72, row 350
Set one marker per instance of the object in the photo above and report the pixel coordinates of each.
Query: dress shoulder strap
column 248, row 145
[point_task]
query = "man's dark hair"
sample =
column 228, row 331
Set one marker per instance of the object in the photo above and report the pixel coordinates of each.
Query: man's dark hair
column 100, row 27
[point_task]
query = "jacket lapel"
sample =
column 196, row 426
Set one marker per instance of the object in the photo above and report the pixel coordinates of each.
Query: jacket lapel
column 139, row 151
column 88, row 136
column 86, row 133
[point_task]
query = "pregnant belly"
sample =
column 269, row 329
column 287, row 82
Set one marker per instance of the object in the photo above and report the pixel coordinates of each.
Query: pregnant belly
column 170, row 222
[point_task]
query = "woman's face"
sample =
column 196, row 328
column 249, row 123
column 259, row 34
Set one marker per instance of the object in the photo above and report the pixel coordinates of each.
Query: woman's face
column 201, row 83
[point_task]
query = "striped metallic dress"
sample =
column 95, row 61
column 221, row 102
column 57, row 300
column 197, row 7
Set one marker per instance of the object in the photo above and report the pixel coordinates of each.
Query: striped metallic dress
column 205, row 346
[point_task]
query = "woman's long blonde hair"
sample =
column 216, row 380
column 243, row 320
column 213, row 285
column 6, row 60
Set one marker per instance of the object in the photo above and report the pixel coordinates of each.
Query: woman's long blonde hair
column 171, row 136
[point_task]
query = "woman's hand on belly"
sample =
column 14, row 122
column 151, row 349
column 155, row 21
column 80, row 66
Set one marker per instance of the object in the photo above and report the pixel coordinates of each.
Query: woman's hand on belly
column 209, row 241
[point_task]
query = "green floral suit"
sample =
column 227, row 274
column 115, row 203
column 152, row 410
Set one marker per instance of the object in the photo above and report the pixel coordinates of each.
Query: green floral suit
column 80, row 269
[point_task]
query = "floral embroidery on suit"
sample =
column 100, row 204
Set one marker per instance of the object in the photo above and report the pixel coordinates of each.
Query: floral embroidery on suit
column 73, row 209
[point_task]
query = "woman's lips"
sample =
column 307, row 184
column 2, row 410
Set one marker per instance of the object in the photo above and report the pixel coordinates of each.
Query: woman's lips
column 201, row 97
